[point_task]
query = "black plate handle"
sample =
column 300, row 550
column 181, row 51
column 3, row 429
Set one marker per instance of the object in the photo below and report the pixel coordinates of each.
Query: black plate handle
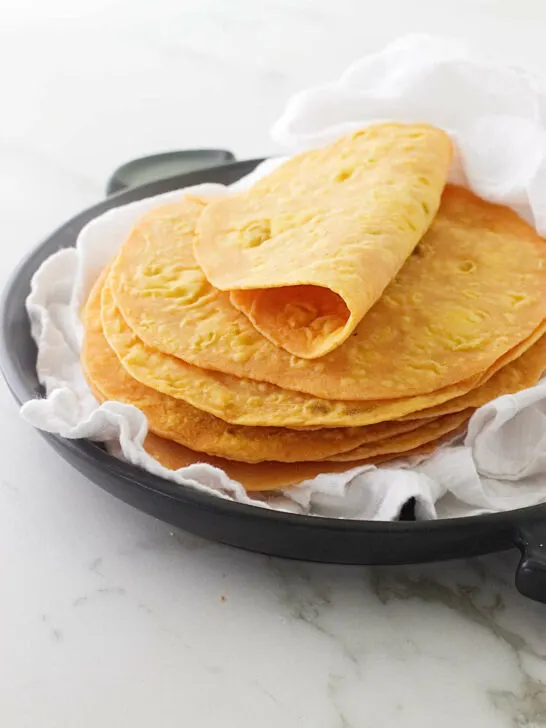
column 531, row 571
column 161, row 166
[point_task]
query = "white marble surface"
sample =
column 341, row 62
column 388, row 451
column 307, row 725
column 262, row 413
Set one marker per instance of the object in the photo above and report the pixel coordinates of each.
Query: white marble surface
column 107, row 617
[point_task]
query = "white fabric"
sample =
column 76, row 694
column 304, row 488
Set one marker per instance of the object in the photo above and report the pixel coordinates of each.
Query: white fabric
column 497, row 119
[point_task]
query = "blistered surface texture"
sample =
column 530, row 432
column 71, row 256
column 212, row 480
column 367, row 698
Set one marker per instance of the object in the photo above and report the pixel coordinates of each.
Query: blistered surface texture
column 473, row 288
column 246, row 402
column 522, row 373
column 179, row 421
column 310, row 248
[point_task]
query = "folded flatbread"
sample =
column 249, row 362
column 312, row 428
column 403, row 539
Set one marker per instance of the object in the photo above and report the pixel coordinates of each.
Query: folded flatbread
column 310, row 248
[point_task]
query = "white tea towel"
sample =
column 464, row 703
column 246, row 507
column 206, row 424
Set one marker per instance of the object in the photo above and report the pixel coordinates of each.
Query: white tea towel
column 497, row 119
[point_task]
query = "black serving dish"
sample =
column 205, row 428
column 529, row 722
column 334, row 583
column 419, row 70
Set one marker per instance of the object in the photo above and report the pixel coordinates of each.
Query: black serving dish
column 281, row 534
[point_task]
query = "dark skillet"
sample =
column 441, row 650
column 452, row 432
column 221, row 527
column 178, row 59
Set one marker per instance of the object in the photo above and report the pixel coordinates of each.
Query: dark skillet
column 280, row 534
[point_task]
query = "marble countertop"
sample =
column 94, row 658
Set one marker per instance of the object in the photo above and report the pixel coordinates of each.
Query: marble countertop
column 108, row 617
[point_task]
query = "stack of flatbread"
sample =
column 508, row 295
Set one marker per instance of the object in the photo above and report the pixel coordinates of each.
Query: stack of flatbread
column 350, row 308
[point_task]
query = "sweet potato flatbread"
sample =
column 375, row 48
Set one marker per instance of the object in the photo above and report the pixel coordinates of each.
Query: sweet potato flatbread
column 523, row 373
column 260, row 477
column 474, row 288
column 430, row 432
column 174, row 419
column 309, row 249
column 246, row 402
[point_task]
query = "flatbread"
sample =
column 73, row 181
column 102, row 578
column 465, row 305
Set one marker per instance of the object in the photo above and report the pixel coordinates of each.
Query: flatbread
column 260, row 477
column 430, row 432
column 174, row 419
column 245, row 402
column 523, row 373
column 310, row 248
column 472, row 290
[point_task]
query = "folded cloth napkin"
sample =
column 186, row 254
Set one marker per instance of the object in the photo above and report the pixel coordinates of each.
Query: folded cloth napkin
column 497, row 119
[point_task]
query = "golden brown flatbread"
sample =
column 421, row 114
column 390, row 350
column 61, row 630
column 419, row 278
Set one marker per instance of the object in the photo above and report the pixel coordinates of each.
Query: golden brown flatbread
column 474, row 288
column 245, row 402
column 520, row 374
column 430, row 432
column 310, row 248
column 174, row 419
column 258, row 477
